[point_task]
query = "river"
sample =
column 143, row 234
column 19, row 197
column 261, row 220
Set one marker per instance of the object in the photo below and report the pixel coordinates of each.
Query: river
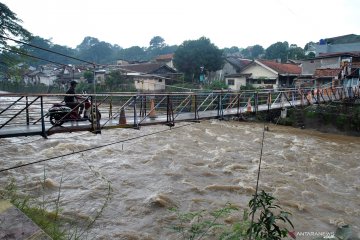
column 194, row 166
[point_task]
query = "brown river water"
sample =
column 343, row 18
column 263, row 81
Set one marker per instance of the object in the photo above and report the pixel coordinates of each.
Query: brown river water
column 194, row 166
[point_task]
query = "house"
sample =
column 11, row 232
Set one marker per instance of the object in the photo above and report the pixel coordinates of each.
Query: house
column 100, row 76
column 327, row 76
column 122, row 62
column 159, row 69
column 264, row 74
column 66, row 74
column 148, row 82
column 165, row 59
column 232, row 65
column 346, row 43
column 332, row 68
column 46, row 74
column 149, row 68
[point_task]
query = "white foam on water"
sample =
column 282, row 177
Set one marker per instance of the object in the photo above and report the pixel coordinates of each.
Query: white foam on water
column 202, row 166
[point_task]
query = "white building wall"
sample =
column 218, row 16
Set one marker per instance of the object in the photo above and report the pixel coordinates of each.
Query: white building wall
column 238, row 82
column 259, row 72
column 144, row 84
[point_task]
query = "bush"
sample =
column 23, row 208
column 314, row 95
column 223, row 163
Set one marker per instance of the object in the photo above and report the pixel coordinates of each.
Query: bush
column 198, row 224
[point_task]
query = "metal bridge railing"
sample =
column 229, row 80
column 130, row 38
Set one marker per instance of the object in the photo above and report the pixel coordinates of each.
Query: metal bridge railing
column 18, row 110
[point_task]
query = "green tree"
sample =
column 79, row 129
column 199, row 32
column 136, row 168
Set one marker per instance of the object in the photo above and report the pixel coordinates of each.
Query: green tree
column 308, row 45
column 296, row 52
column 134, row 53
column 191, row 55
column 158, row 47
column 230, row 51
column 91, row 49
column 246, row 52
column 157, row 42
column 115, row 79
column 256, row 51
column 89, row 76
column 217, row 85
column 253, row 52
column 47, row 56
column 10, row 26
column 277, row 50
column 310, row 55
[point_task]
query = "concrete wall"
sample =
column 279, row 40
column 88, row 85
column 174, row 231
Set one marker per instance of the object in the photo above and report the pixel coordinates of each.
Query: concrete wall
column 349, row 47
column 149, row 84
column 238, row 82
column 309, row 66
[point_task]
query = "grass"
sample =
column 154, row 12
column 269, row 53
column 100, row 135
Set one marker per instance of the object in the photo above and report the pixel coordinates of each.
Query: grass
column 271, row 223
column 52, row 222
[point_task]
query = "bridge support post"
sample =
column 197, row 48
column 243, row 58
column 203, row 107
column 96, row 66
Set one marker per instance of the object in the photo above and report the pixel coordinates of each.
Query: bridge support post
column 152, row 113
column 122, row 118
column 194, row 103
column 43, row 132
column 94, row 112
column 256, row 102
column 27, row 111
column 143, row 106
column 220, row 112
column 238, row 110
column 169, row 113
column 135, row 114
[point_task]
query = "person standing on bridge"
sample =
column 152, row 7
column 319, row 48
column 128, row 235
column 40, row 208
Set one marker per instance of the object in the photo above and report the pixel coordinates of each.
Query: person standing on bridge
column 72, row 101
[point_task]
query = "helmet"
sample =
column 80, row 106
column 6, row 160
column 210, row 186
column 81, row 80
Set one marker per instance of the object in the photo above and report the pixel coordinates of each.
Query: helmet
column 73, row 83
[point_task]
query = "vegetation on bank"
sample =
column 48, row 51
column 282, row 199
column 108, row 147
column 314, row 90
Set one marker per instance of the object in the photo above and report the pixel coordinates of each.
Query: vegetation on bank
column 334, row 117
column 271, row 222
column 46, row 210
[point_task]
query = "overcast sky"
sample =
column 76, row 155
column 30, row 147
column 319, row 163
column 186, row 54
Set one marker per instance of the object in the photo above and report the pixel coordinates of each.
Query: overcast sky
column 226, row 23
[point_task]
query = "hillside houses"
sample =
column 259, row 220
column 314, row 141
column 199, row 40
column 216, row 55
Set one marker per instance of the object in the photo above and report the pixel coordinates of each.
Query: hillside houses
column 264, row 74
column 341, row 68
column 332, row 65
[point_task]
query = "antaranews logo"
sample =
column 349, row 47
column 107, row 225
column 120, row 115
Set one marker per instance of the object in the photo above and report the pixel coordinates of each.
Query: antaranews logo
column 307, row 235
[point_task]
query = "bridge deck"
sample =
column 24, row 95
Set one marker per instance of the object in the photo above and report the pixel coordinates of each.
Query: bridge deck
column 26, row 115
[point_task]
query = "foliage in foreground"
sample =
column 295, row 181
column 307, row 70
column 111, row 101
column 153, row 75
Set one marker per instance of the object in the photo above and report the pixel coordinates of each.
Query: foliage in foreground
column 270, row 223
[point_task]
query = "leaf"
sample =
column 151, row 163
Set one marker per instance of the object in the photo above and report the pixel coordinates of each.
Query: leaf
column 343, row 232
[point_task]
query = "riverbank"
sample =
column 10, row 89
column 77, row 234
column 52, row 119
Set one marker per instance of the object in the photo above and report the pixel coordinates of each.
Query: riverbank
column 335, row 118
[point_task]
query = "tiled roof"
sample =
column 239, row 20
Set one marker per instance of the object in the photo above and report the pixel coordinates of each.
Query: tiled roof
column 165, row 57
column 281, row 68
column 327, row 72
column 238, row 63
column 145, row 67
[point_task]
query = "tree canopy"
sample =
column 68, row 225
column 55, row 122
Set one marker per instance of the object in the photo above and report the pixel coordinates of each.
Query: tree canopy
column 253, row 52
column 157, row 42
column 296, row 52
column 10, row 25
column 277, row 50
column 194, row 56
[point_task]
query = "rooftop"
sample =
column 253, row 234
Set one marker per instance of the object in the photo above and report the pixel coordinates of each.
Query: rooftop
column 281, row 68
column 327, row 72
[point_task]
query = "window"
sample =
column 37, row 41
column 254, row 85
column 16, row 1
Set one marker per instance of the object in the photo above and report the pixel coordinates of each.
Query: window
column 160, row 80
column 231, row 82
column 269, row 81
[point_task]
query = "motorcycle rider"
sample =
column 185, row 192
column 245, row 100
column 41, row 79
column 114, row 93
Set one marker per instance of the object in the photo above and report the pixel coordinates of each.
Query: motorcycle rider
column 72, row 101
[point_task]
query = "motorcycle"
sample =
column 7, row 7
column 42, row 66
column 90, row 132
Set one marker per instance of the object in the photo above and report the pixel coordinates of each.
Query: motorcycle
column 60, row 113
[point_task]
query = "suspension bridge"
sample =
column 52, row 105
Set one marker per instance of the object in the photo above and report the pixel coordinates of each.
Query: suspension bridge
column 28, row 114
